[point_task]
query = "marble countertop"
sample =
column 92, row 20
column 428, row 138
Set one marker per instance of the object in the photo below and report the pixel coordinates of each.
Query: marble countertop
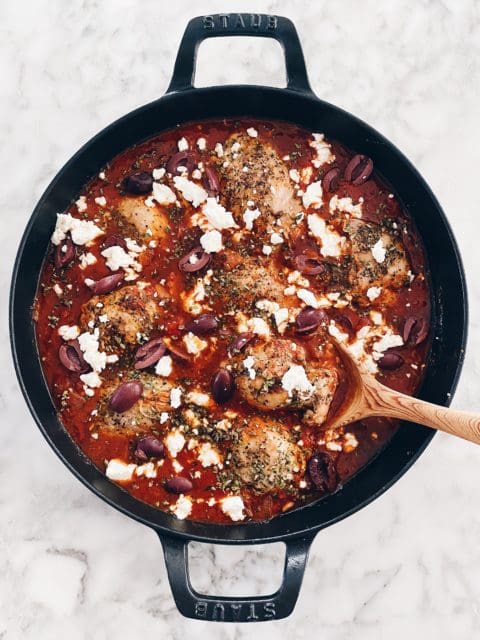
column 407, row 565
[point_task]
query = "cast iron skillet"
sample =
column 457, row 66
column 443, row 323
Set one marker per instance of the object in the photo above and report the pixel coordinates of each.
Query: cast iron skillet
column 295, row 103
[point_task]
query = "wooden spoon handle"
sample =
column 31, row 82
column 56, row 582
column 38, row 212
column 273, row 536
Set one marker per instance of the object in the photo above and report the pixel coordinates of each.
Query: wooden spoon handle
column 383, row 401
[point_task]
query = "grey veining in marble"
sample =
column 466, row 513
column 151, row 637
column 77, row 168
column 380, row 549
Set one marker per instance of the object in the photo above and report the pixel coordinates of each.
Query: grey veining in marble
column 406, row 566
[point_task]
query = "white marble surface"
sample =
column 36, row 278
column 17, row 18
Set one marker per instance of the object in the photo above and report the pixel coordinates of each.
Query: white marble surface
column 409, row 564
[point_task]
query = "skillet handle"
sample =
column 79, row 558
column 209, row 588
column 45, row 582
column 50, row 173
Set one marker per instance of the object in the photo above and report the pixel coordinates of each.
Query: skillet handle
column 240, row 24
column 195, row 605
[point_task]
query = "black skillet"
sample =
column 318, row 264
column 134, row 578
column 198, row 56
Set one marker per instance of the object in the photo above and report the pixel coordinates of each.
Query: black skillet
column 296, row 103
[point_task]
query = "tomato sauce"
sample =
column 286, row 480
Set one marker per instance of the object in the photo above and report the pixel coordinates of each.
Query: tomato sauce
column 67, row 284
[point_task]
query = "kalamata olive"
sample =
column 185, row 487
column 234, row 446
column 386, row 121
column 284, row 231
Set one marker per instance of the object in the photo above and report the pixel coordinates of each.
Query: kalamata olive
column 138, row 183
column 390, row 361
column 125, row 396
column 149, row 353
column 222, row 386
column 240, row 342
column 71, row 357
column 148, row 447
column 415, row 330
column 114, row 240
column 309, row 319
column 359, row 169
column 309, row 265
column 195, row 260
column 108, row 283
column 64, row 253
column 181, row 159
column 178, row 485
column 323, row 474
column 211, row 181
column 203, row 323
column 331, row 180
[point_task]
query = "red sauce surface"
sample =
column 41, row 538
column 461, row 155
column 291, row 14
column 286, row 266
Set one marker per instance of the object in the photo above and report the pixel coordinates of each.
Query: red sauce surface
column 160, row 265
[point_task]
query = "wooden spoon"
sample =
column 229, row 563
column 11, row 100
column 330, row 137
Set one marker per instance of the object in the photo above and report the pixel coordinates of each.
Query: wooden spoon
column 367, row 397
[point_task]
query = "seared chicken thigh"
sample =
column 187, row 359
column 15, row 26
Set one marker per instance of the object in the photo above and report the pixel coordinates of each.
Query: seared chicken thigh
column 128, row 311
column 266, row 457
column 255, row 172
column 145, row 413
column 379, row 258
column 151, row 221
column 260, row 379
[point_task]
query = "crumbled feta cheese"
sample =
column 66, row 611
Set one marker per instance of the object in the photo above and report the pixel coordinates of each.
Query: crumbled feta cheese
column 175, row 441
column 149, row 470
column 81, row 204
column 219, row 150
column 158, row 174
column 194, row 344
column 183, row 507
column 58, row 289
column 232, row 506
column 164, row 416
column 248, row 364
column 322, row 149
column 308, row 298
column 217, row 215
column 346, row 205
column 190, row 191
column 376, row 317
column 253, row 133
column 379, row 251
column 281, row 319
column 373, row 293
column 202, row 144
column 196, row 174
column 388, row 341
column 119, row 470
column 102, row 175
column 313, row 195
column 296, row 380
column 87, row 259
column 266, row 249
column 103, row 318
column 68, row 332
column 117, row 258
column 176, row 397
column 208, row 456
column 164, row 366
column 211, row 241
column 89, row 344
column 182, row 144
column 267, row 305
column 162, row 193
column 334, row 331
column 294, row 175
column 276, row 238
column 259, row 327
column 200, row 399
column 101, row 201
column 91, row 379
column 331, row 241
column 82, row 231
column 249, row 216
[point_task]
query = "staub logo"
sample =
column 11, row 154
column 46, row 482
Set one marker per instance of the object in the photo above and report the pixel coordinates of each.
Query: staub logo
column 234, row 611
column 240, row 21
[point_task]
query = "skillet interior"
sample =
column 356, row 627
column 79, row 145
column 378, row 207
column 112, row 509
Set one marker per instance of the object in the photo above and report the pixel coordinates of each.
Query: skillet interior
column 447, row 284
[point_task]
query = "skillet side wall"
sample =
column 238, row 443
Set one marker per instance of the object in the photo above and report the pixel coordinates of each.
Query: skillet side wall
column 449, row 304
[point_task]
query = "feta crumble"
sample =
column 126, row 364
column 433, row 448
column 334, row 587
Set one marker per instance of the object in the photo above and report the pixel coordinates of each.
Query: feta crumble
column 208, row 456
column 190, row 191
column 217, row 215
column 182, row 144
column 331, row 241
column 296, row 380
column 82, row 231
column 313, row 195
column 232, row 506
column 175, row 397
column 164, row 366
column 379, row 251
column 119, row 470
column 175, row 441
column 183, row 507
column 249, row 216
column 68, row 332
column 211, row 241
column 253, row 133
